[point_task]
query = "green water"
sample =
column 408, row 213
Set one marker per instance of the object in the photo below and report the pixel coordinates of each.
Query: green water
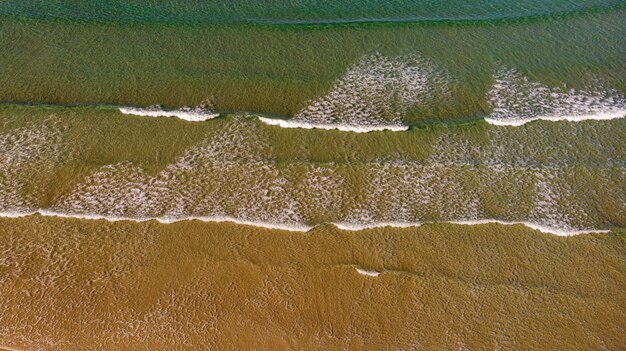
column 192, row 12
column 178, row 54
column 447, row 70
column 89, row 161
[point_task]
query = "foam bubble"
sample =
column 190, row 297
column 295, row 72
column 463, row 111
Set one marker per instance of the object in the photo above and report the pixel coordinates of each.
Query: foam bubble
column 224, row 176
column 517, row 100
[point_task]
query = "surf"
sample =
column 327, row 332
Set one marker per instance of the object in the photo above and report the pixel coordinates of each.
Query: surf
column 198, row 114
column 517, row 100
column 297, row 227
column 380, row 93
column 289, row 124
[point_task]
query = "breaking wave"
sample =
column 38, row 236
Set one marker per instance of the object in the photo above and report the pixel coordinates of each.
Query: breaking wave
column 197, row 114
column 373, row 95
column 294, row 227
column 378, row 94
column 284, row 123
column 517, row 100
column 505, row 177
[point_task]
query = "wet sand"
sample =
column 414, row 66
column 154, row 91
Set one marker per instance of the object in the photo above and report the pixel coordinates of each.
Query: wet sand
column 70, row 284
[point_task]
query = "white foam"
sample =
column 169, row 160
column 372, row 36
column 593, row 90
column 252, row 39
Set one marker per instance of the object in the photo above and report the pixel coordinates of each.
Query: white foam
column 188, row 114
column 363, row 226
column 294, row 227
column 367, row 272
column 531, row 225
column 517, row 100
column 164, row 219
column 283, row 123
column 373, row 95
column 516, row 122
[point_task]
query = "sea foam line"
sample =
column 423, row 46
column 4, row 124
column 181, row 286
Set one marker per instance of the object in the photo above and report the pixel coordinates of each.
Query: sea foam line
column 516, row 122
column 367, row 272
column 188, row 114
column 164, row 220
column 299, row 227
column 531, row 225
column 284, row 123
column 195, row 115
column 353, row 227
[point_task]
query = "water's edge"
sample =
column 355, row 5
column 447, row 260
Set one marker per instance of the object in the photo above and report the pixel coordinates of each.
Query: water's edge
column 300, row 227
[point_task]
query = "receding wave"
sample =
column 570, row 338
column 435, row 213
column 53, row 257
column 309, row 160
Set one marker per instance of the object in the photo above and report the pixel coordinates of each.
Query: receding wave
column 198, row 114
column 599, row 116
column 517, row 100
column 295, row 227
column 164, row 220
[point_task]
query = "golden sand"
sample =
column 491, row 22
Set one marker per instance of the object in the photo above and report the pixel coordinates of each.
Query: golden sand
column 68, row 284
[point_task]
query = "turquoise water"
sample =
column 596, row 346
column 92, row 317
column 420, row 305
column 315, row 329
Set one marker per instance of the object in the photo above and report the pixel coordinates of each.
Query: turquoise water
column 299, row 12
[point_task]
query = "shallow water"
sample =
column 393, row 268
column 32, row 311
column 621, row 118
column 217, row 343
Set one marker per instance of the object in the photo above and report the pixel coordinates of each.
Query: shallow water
column 150, row 286
column 293, row 175
column 94, row 162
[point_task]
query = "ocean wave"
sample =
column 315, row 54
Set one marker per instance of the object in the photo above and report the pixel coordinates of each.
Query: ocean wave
column 516, row 122
column 374, row 94
column 198, row 114
column 378, row 93
column 517, row 100
column 232, row 174
column 295, row 227
column 283, row 123
column 163, row 220
column 425, row 20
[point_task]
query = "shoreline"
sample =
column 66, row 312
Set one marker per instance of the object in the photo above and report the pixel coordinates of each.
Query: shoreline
column 303, row 228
